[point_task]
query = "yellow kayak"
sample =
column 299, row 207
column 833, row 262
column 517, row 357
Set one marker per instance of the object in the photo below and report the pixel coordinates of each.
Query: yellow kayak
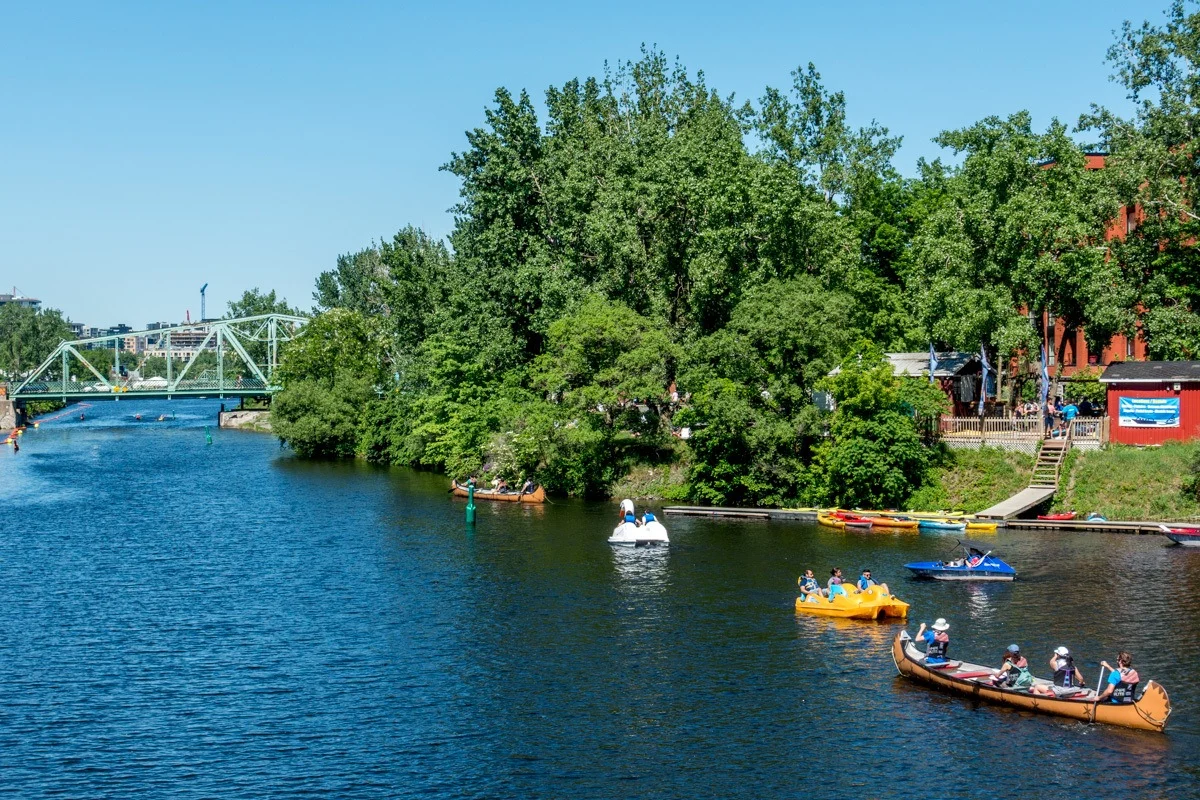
column 893, row 523
column 830, row 522
column 981, row 527
column 870, row 604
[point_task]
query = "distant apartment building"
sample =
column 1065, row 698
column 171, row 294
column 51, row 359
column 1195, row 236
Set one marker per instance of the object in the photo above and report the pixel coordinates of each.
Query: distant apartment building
column 18, row 299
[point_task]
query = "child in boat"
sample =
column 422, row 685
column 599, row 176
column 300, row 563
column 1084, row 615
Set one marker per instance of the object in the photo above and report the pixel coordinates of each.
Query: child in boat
column 937, row 642
column 834, row 586
column 1015, row 673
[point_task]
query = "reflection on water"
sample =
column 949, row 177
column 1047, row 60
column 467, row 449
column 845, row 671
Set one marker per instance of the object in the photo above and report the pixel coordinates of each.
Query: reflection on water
column 183, row 619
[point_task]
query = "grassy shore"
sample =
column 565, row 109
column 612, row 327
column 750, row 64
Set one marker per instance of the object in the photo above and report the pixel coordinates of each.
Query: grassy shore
column 1130, row 483
column 972, row 480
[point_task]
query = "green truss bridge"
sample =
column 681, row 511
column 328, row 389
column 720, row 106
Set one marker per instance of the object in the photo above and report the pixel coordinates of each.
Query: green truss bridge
column 217, row 358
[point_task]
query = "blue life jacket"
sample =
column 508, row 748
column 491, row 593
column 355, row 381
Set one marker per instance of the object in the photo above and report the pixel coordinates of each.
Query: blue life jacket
column 630, row 518
column 648, row 517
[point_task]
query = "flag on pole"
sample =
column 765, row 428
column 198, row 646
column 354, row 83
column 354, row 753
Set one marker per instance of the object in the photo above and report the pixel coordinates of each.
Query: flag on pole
column 1045, row 379
column 933, row 362
column 983, row 378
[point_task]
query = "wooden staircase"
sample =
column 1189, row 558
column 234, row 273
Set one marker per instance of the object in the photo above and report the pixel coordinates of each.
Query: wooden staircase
column 1047, row 469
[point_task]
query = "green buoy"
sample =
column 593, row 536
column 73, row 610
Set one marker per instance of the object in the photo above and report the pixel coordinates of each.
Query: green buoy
column 207, row 435
column 470, row 503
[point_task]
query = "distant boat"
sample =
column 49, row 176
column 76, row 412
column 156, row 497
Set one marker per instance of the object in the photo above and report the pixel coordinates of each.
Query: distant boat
column 1182, row 534
column 629, row 534
column 538, row 495
column 977, row 564
column 942, row 525
column 1062, row 516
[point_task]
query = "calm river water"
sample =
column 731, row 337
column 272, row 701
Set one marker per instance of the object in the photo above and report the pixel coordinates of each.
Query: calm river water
column 189, row 620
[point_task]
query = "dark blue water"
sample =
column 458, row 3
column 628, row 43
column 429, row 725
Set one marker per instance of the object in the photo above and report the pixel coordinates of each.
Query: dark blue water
column 180, row 619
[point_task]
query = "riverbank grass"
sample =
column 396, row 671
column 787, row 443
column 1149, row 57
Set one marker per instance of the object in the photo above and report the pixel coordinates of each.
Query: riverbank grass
column 972, row 480
column 1131, row 483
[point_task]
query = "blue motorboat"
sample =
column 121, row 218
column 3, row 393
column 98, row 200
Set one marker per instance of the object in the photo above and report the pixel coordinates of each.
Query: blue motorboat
column 976, row 564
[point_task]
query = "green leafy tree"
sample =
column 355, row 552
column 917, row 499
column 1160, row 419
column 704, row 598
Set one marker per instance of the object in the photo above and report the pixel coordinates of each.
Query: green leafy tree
column 874, row 457
column 27, row 337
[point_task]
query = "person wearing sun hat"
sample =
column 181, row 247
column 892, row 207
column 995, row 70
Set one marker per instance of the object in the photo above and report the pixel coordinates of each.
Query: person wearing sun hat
column 1067, row 681
column 937, row 641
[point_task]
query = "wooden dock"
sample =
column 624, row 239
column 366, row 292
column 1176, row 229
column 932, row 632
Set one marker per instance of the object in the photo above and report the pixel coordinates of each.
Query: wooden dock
column 1019, row 503
column 810, row 515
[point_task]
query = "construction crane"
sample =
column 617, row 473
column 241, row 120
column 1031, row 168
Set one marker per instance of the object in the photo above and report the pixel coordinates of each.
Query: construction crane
column 203, row 316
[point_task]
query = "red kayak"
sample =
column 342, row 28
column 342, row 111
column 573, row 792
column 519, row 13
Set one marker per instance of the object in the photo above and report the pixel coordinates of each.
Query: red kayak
column 1063, row 516
column 852, row 520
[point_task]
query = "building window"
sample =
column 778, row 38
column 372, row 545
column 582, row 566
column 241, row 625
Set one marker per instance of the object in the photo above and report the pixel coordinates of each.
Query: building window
column 1131, row 219
column 1129, row 347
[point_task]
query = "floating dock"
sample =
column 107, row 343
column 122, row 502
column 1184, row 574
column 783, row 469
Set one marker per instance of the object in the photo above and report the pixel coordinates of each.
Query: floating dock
column 810, row 515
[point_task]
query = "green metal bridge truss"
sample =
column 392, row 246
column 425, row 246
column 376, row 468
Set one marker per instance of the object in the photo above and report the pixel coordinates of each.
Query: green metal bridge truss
column 246, row 352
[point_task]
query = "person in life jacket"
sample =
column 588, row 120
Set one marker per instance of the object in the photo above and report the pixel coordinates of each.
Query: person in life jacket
column 834, row 586
column 647, row 517
column 1067, row 680
column 627, row 511
column 1122, row 681
column 937, row 641
column 865, row 581
column 1015, row 673
column 810, row 590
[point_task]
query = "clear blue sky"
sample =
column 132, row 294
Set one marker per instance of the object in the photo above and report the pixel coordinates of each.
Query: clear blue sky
column 148, row 148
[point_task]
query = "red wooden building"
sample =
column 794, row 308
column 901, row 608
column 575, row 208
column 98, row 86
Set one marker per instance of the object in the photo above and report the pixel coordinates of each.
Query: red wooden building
column 1151, row 402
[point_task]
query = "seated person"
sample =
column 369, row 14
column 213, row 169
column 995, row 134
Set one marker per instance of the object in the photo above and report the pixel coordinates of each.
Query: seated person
column 627, row 514
column 866, row 582
column 1122, row 681
column 529, row 486
column 975, row 559
column 501, row 485
column 1015, row 673
column 810, row 590
column 834, row 586
column 937, row 642
column 647, row 516
column 1068, row 680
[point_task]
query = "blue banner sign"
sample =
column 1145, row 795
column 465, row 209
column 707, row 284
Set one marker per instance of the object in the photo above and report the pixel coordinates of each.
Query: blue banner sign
column 1149, row 412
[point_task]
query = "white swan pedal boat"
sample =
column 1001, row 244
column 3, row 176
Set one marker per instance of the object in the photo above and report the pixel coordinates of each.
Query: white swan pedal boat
column 628, row 534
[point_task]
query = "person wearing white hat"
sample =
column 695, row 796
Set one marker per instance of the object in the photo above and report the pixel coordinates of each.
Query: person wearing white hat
column 1068, row 680
column 937, row 642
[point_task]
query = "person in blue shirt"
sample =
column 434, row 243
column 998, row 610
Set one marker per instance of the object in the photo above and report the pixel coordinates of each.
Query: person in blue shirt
column 1122, row 681
column 937, row 642
column 1070, row 411
column 627, row 514
column 866, row 582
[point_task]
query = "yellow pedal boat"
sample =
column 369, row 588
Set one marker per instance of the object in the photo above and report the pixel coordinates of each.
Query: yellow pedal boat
column 869, row 604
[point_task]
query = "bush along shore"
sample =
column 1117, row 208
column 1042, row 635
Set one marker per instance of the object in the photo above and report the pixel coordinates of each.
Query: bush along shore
column 648, row 285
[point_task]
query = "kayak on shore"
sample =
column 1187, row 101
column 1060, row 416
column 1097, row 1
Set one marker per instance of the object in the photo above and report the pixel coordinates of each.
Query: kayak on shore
column 1149, row 712
column 942, row 525
column 1062, row 516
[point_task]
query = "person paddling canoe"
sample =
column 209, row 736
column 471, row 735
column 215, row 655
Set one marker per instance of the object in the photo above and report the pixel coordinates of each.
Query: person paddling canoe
column 937, row 641
column 1122, row 682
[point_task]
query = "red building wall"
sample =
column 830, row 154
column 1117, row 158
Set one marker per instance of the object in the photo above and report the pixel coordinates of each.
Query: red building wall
column 1189, row 413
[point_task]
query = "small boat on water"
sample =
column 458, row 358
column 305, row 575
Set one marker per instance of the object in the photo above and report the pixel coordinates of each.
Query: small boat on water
column 871, row 603
column 538, row 495
column 1062, row 516
column 981, row 526
column 977, row 564
column 942, row 525
column 1182, row 534
column 629, row 534
column 1149, row 712
column 830, row 521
